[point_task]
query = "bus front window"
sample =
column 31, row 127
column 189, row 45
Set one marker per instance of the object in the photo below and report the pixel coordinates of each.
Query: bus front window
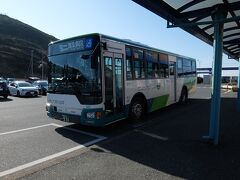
column 77, row 74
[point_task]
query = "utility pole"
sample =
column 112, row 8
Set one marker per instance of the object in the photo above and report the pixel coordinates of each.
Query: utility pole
column 32, row 63
column 42, row 65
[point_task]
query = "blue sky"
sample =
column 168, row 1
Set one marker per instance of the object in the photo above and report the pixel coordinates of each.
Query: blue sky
column 119, row 18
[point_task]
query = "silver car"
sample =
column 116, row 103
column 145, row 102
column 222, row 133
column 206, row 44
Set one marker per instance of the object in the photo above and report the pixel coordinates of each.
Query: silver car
column 42, row 86
column 22, row 88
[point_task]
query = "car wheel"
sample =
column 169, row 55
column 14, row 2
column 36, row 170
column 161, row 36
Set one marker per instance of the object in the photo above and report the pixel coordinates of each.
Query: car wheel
column 18, row 93
column 137, row 109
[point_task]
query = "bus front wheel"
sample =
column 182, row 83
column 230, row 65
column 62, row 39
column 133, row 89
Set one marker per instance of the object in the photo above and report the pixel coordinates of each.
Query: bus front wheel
column 137, row 109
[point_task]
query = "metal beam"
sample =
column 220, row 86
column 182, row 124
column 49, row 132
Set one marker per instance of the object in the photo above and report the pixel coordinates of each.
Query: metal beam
column 230, row 46
column 233, row 47
column 231, row 35
column 192, row 3
column 204, row 12
column 162, row 9
column 207, row 27
column 236, row 51
column 232, row 42
column 230, row 29
column 225, row 20
column 225, row 30
column 231, row 11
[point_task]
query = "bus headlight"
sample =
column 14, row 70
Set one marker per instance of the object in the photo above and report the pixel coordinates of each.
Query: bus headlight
column 47, row 106
column 91, row 115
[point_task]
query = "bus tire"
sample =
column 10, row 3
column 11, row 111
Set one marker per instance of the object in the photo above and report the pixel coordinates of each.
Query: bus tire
column 137, row 109
column 184, row 96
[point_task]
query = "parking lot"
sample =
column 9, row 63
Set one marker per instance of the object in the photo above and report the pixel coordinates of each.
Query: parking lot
column 167, row 145
column 28, row 137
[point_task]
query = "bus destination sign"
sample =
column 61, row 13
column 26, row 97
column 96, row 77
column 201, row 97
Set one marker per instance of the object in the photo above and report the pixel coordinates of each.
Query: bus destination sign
column 77, row 45
column 71, row 46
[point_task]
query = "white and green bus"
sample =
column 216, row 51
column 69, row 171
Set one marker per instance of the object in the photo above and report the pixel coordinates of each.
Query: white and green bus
column 96, row 79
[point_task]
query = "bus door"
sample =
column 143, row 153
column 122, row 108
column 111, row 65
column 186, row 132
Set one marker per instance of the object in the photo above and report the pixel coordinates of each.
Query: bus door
column 173, row 81
column 114, row 83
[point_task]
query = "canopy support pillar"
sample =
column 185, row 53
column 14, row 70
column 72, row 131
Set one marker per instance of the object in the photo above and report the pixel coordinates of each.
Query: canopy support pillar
column 238, row 94
column 217, row 15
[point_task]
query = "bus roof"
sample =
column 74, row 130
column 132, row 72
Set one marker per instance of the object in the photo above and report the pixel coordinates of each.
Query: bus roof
column 125, row 41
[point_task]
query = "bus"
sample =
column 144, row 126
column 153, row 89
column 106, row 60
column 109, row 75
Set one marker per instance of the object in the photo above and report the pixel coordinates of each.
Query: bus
column 96, row 79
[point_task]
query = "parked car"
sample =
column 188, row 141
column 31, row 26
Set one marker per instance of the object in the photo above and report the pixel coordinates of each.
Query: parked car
column 22, row 88
column 4, row 91
column 199, row 80
column 42, row 86
column 9, row 80
column 32, row 79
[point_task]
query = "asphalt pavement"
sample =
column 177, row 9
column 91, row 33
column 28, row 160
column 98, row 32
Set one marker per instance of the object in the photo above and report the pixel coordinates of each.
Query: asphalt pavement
column 168, row 144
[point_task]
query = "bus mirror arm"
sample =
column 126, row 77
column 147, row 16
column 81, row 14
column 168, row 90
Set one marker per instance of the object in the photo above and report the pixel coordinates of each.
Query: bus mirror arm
column 94, row 63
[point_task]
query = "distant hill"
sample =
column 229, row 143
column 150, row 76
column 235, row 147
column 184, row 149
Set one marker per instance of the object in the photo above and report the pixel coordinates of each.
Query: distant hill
column 17, row 41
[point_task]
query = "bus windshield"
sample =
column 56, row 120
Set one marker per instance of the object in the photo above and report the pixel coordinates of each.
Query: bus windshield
column 77, row 74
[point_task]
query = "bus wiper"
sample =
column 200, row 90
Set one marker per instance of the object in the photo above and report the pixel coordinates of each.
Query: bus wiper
column 85, row 56
column 86, row 94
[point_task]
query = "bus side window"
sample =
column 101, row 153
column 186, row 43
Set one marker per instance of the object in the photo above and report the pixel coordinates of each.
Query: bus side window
column 149, row 67
column 155, row 70
column 171, row 69
column 179, row 67
column 163, row 65
column 187, row 67
column 139, row 69
column 129, row 69
column 129, row 64
column 139, row 64
column 193, row 68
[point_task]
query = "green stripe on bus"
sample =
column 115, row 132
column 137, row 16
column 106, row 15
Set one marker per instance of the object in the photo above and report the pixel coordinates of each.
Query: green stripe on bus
column 190, row 83
column 159, row 102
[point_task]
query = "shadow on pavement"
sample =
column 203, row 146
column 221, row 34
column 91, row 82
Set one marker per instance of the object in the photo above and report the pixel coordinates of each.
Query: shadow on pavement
column 182, row 152
column 5, row 100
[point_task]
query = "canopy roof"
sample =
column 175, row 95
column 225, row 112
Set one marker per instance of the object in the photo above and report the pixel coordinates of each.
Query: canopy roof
column 195, row 17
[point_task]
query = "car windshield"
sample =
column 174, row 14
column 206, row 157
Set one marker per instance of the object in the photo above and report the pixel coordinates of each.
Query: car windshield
column 43, row 83
column 24, row 85
column 76, row 73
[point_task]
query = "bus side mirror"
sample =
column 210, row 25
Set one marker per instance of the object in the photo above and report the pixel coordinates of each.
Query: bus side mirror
column 104, row 45
column 94, row 63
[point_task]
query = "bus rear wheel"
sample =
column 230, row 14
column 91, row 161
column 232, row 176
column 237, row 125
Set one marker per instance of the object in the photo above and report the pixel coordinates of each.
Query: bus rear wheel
column 137, row 109
column 184, row 96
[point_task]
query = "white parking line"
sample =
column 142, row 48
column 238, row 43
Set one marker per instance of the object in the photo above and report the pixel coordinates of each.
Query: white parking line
column 27, row 129
column 227, row 91
column 152, row 135
column 24, row 166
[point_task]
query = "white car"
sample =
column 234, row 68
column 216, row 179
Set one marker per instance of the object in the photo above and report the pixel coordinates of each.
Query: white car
column 42, row 86
column 22, row 88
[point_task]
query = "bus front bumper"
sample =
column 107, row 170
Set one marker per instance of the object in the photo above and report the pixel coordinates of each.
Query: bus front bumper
column 90, row 117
